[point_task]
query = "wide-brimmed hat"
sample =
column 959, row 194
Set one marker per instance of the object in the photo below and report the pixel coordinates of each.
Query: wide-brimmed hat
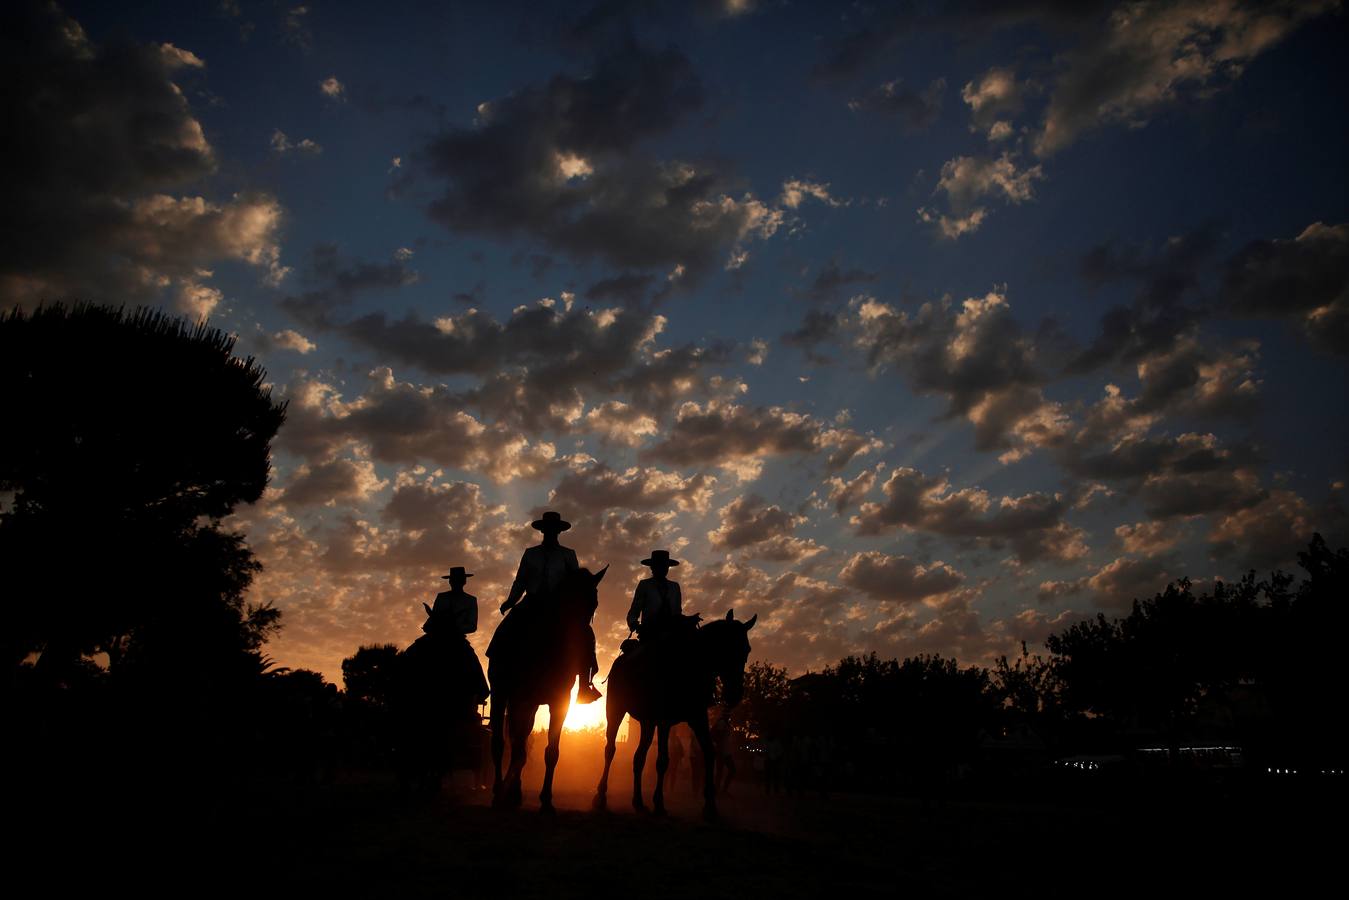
column 551, row 521
column 660, row 558
column 458, row 571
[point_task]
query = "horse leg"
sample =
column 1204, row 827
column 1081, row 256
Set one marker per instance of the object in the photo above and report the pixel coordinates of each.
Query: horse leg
column 662, row 765
column 498, row 724
column 519, row 722
column 613, row 718
column 704, row 735
column 639, row 763
column 557, row 714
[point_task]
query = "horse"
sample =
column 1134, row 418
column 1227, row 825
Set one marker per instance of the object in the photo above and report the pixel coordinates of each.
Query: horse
column 539, row 671
column 437, row 686
column 679, row 690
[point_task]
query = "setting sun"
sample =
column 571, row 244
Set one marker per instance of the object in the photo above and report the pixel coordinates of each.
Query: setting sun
column 581, row 716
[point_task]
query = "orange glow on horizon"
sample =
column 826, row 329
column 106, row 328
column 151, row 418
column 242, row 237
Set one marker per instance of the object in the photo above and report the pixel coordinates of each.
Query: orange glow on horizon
column 581, row 716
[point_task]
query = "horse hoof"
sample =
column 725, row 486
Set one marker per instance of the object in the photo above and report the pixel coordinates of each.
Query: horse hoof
column 599, row 803
column 710, row 814
column 639, row 806
column 546, row 808
column 658, row 811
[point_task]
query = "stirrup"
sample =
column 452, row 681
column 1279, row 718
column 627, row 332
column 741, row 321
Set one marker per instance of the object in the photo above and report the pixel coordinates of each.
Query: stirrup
column 587, row 693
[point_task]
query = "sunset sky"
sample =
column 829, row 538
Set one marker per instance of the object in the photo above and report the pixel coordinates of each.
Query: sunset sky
column 911, row 327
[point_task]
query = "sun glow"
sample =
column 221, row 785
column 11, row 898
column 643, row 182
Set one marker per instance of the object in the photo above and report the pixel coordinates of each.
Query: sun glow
column 582, row 716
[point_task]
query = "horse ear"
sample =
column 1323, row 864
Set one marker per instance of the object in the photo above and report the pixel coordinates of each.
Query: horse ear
column 730, row 615
column 752, row 619
column 427, row 608
column 600, row 576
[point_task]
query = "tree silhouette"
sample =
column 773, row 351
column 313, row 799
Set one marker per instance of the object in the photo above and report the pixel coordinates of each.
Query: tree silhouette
column 133, row 435
column 369, row 674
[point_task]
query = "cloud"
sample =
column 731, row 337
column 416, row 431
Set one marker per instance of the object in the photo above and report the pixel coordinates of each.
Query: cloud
column 994, row 99
column 288, row 339
column 846, row 494
column 974, row 355
column 1151, row 54
column 1158, row 316
column 621, row 424
column 95, row 137
column 832, row 278
column 1186, row 474
column 332, row 481
column 739, row 438
column 333, row 89
column 796, row 190
column 559, row 162
column 1148, row 538
column 594, row 487
column 966, row 180
column 1117, row 583
column 538, row 368
column 761, row 530
column 404, row 423
column 283, row 145
column 1305, row 279
column 918, row 109
column 898, row 579
column 1031, row 525
column 339, row 280
column 1271, row 533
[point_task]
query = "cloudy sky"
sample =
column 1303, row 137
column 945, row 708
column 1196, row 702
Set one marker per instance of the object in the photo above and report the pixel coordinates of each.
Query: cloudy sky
column 916, row 328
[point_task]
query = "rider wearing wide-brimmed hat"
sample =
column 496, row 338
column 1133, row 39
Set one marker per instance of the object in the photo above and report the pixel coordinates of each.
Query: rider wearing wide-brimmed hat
column 657, row 606
column 542, row 570
column 454, row 615
column 454, row 609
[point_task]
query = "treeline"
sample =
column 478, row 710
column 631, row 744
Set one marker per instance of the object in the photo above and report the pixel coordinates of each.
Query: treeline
column 1256, row 665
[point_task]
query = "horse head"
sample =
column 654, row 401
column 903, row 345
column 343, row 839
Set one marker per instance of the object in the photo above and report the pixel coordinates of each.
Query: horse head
column 580, row 590
column 729, row 651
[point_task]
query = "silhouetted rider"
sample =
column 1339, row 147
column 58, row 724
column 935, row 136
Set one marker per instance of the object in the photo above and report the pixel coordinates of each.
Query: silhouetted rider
column 657, row 607
column 456, row 613
column 542, row 570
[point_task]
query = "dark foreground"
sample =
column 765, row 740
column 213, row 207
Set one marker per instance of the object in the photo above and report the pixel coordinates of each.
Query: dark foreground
column 361, row 837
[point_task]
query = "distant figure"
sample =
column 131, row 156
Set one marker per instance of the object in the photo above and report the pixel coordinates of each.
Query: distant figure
column 541, row 572
column 456, row 613
column 437, row 683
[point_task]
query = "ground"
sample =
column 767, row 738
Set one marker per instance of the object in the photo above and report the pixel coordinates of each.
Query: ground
column 363, row 839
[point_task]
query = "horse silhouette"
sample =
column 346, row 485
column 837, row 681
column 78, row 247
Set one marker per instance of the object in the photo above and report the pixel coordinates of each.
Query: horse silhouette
column 437, row 687
column 538, row 670
column 661, row 691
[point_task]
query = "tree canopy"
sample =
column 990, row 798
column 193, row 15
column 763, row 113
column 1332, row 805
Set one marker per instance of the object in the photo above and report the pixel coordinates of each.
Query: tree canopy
column 135, row 434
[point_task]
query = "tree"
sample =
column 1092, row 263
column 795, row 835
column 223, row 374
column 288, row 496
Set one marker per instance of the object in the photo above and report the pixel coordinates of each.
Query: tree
column 369, row 674
column 763, row 709
column 132, row 436
column 1240, row 648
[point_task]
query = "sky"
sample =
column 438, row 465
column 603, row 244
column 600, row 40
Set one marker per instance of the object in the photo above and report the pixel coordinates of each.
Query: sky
column 910, row 328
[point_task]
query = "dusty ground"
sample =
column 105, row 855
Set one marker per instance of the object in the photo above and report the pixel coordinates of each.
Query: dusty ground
column 363, row 840
column 362, row 837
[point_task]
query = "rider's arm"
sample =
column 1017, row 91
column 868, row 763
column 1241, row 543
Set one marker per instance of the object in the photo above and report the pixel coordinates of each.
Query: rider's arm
column 676, row 599
column 635, row 612
column 517, row 587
